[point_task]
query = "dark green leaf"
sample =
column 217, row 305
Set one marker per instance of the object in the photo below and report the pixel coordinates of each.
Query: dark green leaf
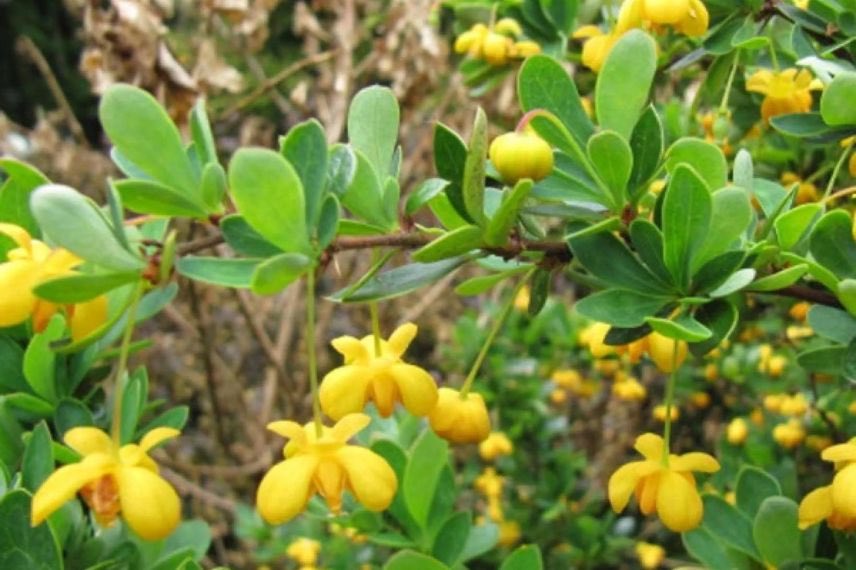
column 825, row 360
column 836, row 103
column 82, row 287
column 646, row 142
column 612, row 158
column 776, row 533
column 276, row 273
column 456, row 242
column 720, row 317
column 648, row 243
column 244, row 239
column 526, row 557
column 754, row 486
column 428, row 456
column 705, row 548
column 831, row 323
column 305, row 148
column 686, row 215
column 23, row 546
column 729, row 525
column 620, row 308
column 400, row 281
column 452, row 537
column 474, row 169
column 38, row 462
column 624, row 82
column 40, row 360
column 450, row 156
column 219, row 271
column 503, row 220
column 15, row 193
column 832, row 243
column 412, row 560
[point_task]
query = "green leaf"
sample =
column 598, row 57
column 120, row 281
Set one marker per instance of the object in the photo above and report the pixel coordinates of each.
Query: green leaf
column 705, row 548
column 305, row 148
column 424, row 193
column 846, row 293
column 328, row 221
column 735, row 282
column 38, row 461
column 74, row 222
column 213, row 187
column 543, row 83
column 456, row 242
column 30, row 404
column 685, row 327
column 194, row 534
column 15, row 193
column 824, row 360
column 226, row 272
column 831, row 323
column 373, row 127
column 482, row 538
column 720, row 317
column 619, row 307
column 11, row 363
column 646, row 144
column 450, row 157
column 341, row 169
column 21, row 544
column 754, row 486
column 561, row 13
column 143, row 132
column 503, row 220
column 527, row 557
column 399, row 281
column 730, row 216
column 808, row 126
column 606, row 257
column 428, row 456
column 482, row 283
column 474, row 169
column 706, row 159
column 792, row 225
column 771, row 195
column 780, row 279
column 832, row 243
column 244, row 239
column 687, row 208
column 612, row 158
column 648, row 242
column 275, row 274
column 776, row 532
column 452, row 537
column 412, row 560
column 744, row 172
column 836, row 103
column 624, row 82
column 71, row 413
column 364, row 197
column 269, row 194
column 134, row 395
column 200, row 130
column 729, row 525
column 40, row 360
column 81, row 287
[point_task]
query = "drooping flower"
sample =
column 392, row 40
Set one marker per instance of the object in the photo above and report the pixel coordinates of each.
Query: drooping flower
column 304, row 551
column 596, row 46
column 688, row 17
column 460, row 419
column 787, row 91
column 737, row 431
column 836, row 502
column 663, row 483
column 659, row 413
column 381, row 378
column 30, row 264
column 790, row 434
column 650, row 555
column 630, row 390
column 496, row 445
column 662, row 351
column 326, row 465
column 114, row 481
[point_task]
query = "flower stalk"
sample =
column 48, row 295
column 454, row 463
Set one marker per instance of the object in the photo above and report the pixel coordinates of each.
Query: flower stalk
column 122, row 367
column 310, row 351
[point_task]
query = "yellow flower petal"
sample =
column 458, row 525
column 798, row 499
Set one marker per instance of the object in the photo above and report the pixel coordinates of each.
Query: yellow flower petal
column 344, row 390
column 16, row 282
column 666, row 11
column 651, row 446
column 623, row 482
column 815, row 507
column 760, row 81
column 630, row 16
column 351, row 348
column 150, row 505
column 401, row 338
column 88, row 317
column 678, row 503
column 61, row 486
column 844, row 491
column 348, row 426
column 588, row 31
column 695, row 461
column 330, row 482
column 840, row 452
column 59, row 262
column 288, row 429
column 417, row 388
column 89, row 440
column 157, row 436
column 18, row 234
column 285, row 489
column 370, row 477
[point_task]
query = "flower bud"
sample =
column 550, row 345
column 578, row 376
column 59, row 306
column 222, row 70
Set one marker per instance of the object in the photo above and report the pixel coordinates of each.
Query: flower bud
column 661, row 349
column 737, row 431
column 521, row 155
column 508, row 27
column 460, row 420
column 495, row 48
column 524, row 49
column 666, row 11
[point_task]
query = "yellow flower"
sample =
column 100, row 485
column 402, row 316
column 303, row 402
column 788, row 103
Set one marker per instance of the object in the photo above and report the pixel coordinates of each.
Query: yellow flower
column 806, row 191
column 789, row 435
column 596, row 47
column 304, row 551
column 521, row 300
column 30, row 264
column 799, row 311
column 662, row 351
column 381, row 378
column 517, row 155
column 659, row 413
column 650, row 555
column 785, row 92
column 509, row 533
column 508, row 27
column 326, row 465
column 836, row 502
column 496, row 444
column 795, row 332
column 795, row 405
column 566, row 378
column 559, row 396
column 629, row 390
column 711, row 372
column 489, row 483
column 460, row 419
column 773, row 402
column 524, row 49
column 471, row 41
column 737, row 431
column 700, row 400
column 818, row 442
column 496, row 48
column 114, row 480
column 663, row 483
column 688, row 17
column 593, row 337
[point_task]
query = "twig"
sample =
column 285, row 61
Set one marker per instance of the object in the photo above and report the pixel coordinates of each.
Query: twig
column 275, row 80
column 29, row 49
column 187, row 487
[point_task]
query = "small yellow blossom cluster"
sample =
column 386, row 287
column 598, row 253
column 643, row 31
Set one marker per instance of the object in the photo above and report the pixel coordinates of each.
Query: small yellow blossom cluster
column 30, row 264
column 304, row 551
column 650, row 555
column 769, row 363
column 568, row 382
column 787, row 91
column 806, row 191
column 660, row 349
column 688, row 17
column 490, row 485
column 791, row 433
column 835, row 503
column 662, row 483
column 628, row 388
column 737, row 431
column 496, row 445
column 498, row 45
column 660, row 413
